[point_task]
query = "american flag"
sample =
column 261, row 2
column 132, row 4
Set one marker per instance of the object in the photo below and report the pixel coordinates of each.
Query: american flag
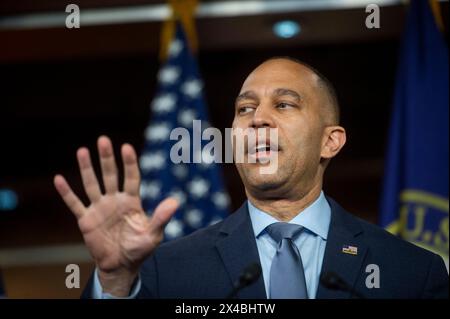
column 352, row 250
column 198, row 186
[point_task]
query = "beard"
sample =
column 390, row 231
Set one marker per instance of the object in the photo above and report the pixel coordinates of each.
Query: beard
column 253, row 179
column 294, row 174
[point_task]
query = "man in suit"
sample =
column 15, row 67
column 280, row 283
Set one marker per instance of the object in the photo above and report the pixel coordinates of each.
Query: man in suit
column 288, row 226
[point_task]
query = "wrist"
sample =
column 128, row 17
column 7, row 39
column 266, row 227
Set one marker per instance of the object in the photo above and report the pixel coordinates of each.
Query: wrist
column 117, row 283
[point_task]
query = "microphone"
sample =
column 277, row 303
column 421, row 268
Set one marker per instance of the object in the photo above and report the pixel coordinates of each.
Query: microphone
column 333, row 281
column 249, row 275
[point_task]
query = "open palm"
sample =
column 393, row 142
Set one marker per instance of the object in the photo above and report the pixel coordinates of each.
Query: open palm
column 116, row 230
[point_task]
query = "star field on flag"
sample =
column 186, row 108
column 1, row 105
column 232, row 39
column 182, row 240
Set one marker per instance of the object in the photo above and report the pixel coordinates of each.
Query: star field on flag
column 197, row 186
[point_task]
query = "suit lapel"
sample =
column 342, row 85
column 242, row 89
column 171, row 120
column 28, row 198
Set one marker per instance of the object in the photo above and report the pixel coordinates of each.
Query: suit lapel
column 344, row 231
column 237, row 249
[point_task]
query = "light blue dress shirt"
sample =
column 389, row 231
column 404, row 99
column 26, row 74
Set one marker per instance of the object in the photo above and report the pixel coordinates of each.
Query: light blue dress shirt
column 311, row 242
column 97, row 290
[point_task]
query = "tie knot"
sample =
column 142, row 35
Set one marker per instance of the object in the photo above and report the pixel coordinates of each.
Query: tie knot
column 279, row 231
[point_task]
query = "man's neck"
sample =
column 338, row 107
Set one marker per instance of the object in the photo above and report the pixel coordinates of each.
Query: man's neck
column 285, row 208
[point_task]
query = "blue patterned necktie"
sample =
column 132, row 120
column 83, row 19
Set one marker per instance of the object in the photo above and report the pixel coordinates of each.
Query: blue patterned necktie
column 287, row 277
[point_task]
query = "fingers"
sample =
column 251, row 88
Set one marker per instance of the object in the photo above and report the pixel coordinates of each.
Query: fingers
column 162, row 214
column 131, row 170
column 88, row 175
column 108, row 164
column 69, row 197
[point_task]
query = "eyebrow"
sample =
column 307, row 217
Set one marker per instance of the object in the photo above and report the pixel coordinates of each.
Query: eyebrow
column 283, row 91
column 247, row 95
column 250, row 95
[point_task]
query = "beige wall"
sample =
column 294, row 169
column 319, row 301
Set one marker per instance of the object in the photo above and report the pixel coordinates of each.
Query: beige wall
column 43, row 281
column 40, row 271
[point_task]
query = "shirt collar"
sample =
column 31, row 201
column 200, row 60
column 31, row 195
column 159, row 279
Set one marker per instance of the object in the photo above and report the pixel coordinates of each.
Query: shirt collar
column 316, row 217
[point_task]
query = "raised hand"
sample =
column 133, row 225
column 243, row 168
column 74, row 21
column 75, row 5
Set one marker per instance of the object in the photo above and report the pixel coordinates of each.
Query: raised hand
column 116, row 230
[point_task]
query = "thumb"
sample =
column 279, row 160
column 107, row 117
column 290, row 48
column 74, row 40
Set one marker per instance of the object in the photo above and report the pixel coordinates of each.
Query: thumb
column 162, row 214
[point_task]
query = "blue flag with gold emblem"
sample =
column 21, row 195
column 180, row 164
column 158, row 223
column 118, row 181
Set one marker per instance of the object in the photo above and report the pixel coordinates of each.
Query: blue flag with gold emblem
column 414, row 202
column 179, row 106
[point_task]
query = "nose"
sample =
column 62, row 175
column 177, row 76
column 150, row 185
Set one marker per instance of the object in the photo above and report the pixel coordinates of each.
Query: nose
column 262, row 117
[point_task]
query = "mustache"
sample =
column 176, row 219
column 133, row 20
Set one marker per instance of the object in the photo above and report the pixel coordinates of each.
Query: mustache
column 258, row 139
column 262, row 145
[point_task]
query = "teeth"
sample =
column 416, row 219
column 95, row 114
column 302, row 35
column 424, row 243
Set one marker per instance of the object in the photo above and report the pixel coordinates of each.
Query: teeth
column 262, row 147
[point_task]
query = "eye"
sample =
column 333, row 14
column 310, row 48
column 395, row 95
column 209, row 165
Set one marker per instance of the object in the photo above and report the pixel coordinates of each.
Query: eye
column 284, row 105
column 245, row 109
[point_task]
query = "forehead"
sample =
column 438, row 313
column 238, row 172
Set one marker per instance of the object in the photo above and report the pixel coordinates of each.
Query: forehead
column 278, row 73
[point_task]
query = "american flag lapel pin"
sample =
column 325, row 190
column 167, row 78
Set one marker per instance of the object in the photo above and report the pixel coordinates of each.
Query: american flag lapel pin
column 351, row 250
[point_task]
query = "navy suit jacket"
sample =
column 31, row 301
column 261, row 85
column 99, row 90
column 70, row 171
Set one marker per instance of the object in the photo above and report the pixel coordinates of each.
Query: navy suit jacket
column 206, row 263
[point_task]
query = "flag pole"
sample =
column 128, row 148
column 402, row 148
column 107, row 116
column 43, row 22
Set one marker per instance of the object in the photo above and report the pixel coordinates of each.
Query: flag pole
column 182, row 11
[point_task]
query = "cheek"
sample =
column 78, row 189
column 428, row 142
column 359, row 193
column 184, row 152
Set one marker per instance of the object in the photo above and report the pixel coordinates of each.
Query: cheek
column 241, row 123
column 295, row 134
column 233, row 124
column 302, row 141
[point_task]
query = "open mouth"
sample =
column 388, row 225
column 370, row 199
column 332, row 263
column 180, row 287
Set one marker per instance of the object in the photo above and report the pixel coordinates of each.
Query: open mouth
column 263, row 151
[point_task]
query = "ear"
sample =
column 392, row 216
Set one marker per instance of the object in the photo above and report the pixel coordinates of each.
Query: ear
column 333, row 140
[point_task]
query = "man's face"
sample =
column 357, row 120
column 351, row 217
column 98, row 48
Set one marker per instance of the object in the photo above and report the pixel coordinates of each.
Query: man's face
column 282, row 95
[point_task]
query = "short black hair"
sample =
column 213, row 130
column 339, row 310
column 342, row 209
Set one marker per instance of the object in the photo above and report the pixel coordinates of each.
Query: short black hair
column 324, row 83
